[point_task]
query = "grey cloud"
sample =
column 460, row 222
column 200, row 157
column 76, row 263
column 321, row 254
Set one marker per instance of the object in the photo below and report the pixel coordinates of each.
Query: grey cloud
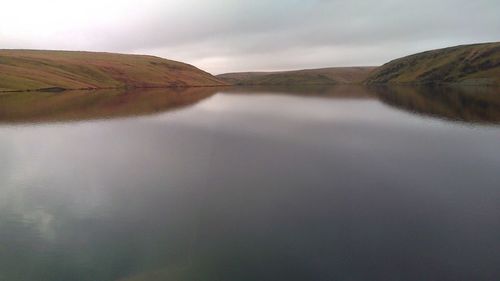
column 236, row 35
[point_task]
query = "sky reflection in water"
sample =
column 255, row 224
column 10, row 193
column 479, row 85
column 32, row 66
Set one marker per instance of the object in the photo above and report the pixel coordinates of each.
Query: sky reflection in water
column 263, row 184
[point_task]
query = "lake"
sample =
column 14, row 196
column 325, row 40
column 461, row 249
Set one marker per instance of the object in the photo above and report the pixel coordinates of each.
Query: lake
column 323, row 183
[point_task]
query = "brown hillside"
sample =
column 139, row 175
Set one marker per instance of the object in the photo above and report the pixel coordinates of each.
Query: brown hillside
column 29, row 70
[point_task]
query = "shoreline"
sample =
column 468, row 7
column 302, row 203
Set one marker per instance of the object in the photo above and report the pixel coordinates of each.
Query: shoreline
column 61, row 90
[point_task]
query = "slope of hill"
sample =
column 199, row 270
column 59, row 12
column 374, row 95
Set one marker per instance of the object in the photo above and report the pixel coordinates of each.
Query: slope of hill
column 324, row 76
column 477, row 64
column 30, row 70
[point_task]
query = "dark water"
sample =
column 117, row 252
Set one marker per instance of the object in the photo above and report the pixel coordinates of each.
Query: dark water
column 263, row 184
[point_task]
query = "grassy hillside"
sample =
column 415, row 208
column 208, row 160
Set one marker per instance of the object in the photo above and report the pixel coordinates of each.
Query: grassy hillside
column 29, row 70
column 30, row 107
column 469, row 64
column 324, row 76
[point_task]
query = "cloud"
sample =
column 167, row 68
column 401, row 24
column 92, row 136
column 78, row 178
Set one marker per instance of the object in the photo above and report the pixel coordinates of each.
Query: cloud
column 237, row 35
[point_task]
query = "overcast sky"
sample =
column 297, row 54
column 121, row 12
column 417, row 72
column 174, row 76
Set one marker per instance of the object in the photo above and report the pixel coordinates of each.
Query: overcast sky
column 237, row 35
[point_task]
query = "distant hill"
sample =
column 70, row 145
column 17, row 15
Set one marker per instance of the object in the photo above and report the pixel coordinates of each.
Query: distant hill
column 323, row 76
column 477, row 64
column 31, row 70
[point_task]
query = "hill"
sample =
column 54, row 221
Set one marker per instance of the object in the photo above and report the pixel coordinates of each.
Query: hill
column 31, row 70
column 323, row 76
column 477, row 64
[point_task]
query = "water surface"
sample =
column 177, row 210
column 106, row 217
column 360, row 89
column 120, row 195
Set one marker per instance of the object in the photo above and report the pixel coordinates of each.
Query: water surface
column 342, row 183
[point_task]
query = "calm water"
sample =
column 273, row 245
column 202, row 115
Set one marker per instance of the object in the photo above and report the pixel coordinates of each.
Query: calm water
column 343, row 183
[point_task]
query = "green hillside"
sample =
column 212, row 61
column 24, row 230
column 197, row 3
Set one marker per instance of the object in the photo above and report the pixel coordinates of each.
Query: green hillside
column 477, row 64
column 30, row 70
column 324, row 76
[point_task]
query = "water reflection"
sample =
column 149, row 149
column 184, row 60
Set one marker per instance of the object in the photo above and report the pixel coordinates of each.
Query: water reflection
column 249, row 186
column 473, row 105
column 327, row 91
column 465, row 104
column 101, row 104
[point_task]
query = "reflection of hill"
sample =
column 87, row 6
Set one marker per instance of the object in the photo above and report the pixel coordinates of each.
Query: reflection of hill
column 88, row 105
column 466, row 104
column 327, row 91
